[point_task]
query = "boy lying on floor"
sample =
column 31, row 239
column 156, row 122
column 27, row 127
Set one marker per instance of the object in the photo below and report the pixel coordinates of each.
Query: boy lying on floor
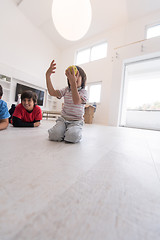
column 27, row 113
column 4, row 114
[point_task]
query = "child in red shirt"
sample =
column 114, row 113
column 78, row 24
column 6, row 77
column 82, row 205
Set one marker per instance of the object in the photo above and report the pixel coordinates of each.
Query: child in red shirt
column 27, row 113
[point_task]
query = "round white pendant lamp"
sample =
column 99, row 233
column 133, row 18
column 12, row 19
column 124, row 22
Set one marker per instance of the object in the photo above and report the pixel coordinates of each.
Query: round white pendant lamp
column 72, row 18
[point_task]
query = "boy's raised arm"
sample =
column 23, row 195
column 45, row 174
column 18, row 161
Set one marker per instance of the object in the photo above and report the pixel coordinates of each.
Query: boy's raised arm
column 72, row 80
column 50, row 87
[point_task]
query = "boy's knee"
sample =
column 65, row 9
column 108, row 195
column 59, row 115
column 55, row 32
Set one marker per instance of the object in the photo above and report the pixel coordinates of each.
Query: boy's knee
column 73, row 136
column 55, row 135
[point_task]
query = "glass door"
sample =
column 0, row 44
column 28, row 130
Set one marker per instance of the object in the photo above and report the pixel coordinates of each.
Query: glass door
column 141, row 95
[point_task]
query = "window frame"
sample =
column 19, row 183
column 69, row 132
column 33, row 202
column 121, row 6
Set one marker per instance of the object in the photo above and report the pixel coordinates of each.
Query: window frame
column 89, row 85
column 150, row 26
column 90, row 50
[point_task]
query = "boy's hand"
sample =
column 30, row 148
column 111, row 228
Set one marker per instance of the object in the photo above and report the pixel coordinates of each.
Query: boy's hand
column 51, row 69
column 71, row 76
column 36, row 124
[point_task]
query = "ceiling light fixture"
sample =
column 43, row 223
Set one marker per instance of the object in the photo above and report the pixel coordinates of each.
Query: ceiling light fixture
column 72, row 18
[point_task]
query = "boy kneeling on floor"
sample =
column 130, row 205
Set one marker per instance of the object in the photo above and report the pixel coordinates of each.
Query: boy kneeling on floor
column 27, row 113
column 4, row 114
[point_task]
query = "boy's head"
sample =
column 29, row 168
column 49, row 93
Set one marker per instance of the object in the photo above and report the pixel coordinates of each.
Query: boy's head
column 82, row 75
column 28, row 100
column 1, row 91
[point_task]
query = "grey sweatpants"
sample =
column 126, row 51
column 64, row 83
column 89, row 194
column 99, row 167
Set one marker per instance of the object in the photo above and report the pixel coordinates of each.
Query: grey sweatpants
column 69, row 131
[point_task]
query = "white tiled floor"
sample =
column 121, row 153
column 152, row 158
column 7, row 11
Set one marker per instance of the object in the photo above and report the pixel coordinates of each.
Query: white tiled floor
column 105, row 187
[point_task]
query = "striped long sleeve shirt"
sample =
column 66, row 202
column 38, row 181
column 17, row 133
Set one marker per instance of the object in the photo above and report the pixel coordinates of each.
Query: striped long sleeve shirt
column 71, row 111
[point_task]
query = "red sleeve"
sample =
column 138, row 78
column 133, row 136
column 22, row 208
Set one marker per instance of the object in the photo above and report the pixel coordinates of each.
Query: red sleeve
column 18, row 111
column 38, row 113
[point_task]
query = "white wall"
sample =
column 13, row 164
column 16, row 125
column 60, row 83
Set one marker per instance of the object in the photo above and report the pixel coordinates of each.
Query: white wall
column 24, row 51
column 106, row 70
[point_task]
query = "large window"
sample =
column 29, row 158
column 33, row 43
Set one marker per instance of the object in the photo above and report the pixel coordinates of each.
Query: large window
column 92, row 53
column 94, row 92
column 153, row 31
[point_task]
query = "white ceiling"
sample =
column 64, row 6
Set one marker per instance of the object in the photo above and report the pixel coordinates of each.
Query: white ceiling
column 106, row 14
